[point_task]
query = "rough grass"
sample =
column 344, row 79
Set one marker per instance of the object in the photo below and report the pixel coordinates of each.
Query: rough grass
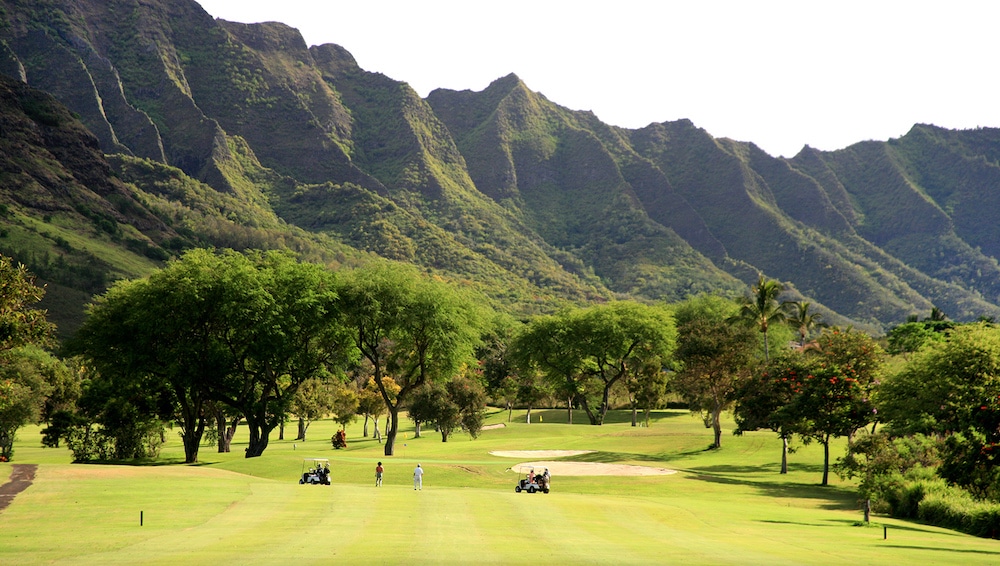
column 724, row 506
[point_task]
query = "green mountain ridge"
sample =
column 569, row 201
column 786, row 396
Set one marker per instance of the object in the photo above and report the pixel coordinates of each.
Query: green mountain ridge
column 204, row 132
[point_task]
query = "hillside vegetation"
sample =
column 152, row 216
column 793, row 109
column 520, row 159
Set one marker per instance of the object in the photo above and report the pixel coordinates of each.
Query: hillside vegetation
column 135, row 130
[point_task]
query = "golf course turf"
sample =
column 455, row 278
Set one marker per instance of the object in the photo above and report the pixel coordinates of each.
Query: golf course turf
column 727, row 506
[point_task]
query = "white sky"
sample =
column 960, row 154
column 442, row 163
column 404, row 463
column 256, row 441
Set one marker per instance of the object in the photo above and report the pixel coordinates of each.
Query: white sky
column 782, row 74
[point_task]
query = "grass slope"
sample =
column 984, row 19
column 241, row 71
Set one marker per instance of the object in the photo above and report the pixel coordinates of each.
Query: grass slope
column 725, row 506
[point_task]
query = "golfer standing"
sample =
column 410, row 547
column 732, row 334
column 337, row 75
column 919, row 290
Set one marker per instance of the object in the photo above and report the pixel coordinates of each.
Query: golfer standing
column 418, row 478
column 378, row 474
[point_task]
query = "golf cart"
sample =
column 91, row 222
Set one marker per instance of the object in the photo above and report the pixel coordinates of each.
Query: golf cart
column 315, row 471
column 532, row 483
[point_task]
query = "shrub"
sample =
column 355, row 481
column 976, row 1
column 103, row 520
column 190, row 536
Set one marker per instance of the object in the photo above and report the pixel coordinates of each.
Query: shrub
column 933, row 501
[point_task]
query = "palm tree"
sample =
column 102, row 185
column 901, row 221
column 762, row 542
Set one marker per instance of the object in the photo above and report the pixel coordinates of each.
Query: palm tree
column 762, row 307
column 802, row 320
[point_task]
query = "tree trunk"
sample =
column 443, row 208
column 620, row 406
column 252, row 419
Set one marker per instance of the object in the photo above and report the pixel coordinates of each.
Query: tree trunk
column 444, row 435
column 302, row 430
column 230, row 433
column 527, row 417
column 826, row 458
column 717, row 427
column 635, row 415
column 192, row 441
column 192, row 426
column 646, row 413
column 767, row 358
column 594, row 417
column 260, row 434
column 784, row 453
column 281, row 430
column 510, row 410
column 364, row 434
column 569, row 409
column 392, row 425
column 220, row 425
column 416, row 429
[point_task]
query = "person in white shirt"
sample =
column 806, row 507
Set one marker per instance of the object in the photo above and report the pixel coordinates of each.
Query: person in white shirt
column 418, row 478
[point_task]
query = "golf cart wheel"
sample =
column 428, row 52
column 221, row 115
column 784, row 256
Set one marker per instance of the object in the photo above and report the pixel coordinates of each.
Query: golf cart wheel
column 517, row 489
column 531, row 489
column 301, row 481
column 546, row 490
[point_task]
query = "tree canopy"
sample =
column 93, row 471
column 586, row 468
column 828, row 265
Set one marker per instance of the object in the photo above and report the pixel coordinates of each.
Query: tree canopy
column 409, row 327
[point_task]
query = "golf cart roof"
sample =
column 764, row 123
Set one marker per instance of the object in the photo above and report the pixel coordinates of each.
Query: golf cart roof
column 315, row 459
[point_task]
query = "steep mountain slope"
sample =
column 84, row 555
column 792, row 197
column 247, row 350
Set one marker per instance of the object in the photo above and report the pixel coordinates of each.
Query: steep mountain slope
column 79, row 222
column 565, row 174
column 241, row 135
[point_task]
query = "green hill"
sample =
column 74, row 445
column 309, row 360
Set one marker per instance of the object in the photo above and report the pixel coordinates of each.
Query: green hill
column 204, row 132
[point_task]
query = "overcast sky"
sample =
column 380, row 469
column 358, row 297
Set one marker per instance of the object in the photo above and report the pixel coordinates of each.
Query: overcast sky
column 781, row 74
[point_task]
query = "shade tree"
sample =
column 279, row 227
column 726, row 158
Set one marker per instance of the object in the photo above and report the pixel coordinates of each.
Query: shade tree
column 242, row 330
column 647, row 390
column 23, row 389
column 295, row 332
column 714, row 357
column 458, row 403
column 546, row 348
column 21, row 321
column 22, row 324
column 170, row 335
column 764, row 400
column 585, row 353
column 411, row 328
column 312, row 401
column 623, row 341
column 838, row 396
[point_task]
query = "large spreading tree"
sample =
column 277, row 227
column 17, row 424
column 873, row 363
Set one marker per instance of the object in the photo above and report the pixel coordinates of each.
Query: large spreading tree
column 587, row 352
column 165, row 336
column 409, row 327
column 622, row 341
column 243, row 330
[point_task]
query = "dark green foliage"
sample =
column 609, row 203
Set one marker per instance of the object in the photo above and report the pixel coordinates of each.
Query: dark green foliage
column 951, row 388
column 715, row 356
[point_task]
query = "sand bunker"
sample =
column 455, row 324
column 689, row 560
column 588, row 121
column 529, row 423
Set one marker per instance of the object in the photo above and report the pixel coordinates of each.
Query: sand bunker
column 538, row 453
column 558, row 468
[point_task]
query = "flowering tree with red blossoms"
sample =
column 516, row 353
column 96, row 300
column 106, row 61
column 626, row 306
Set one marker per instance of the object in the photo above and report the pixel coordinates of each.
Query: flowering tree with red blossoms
column 822, row 395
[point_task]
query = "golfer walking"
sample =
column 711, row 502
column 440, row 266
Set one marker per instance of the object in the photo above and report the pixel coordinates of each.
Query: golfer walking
column 418, row 478
column 378, row 474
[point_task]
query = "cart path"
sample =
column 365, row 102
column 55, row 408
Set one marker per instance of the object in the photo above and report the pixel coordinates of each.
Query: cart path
column 21, row 477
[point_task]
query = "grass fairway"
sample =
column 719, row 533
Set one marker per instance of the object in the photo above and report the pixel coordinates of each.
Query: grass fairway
column 727, row 506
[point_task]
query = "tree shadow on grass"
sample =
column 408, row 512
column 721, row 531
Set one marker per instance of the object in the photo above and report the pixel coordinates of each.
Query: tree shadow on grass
column 835, row 498
column 603, row 457
column 897, row 527
column 962, row 550
column 760, row 469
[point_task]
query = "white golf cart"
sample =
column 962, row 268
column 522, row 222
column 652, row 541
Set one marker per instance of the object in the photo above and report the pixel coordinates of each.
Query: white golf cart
column 315, row 471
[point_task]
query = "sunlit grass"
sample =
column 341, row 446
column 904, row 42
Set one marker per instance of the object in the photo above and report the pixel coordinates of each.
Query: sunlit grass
column 723, row 506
